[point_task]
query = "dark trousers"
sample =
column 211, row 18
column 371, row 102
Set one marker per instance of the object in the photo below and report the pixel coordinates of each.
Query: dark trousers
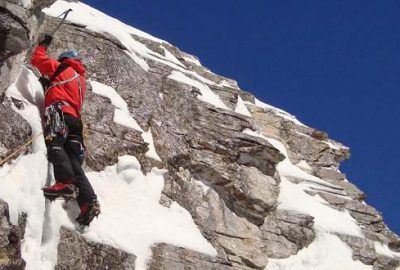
column 65, row 153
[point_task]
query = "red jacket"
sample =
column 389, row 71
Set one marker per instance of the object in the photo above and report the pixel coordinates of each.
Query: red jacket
column 68, row 92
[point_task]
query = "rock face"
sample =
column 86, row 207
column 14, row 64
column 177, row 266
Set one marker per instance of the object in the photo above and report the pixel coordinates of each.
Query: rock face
column 74, row 252
column 227, row 179
column 10, row 240
column 167, row 257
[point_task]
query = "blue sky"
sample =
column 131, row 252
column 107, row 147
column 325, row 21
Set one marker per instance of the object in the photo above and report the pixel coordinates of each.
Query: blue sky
column 334, row 64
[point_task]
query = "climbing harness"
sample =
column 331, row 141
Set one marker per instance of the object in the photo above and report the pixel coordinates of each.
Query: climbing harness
column 55, row 123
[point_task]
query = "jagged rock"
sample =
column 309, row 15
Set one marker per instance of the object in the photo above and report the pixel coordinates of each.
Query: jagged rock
column 233, row 237
column 10, row 240
column 108, row 139
column 364, row 250
column 364, row 214
column 329, row 173
column 252, row 194
column 166, row 257
column 75, row 252
column 286, row 232
column 14, row 130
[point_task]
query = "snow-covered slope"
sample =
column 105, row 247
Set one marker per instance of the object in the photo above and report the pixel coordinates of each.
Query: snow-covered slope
column 180, row 155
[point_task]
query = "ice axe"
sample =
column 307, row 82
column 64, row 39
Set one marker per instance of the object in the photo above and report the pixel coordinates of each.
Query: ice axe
column 65, row 13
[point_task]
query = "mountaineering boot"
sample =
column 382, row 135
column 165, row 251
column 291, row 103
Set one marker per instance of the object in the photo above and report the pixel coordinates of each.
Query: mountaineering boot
column 60, row 190
column 89, row 211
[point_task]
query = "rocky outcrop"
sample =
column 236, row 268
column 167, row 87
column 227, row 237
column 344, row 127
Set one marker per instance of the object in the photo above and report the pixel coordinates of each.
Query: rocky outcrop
column 287, row 232
column 19, row 22
column 10, row 240
column 14, row 129
column 75, row 252
column 365, row 251
column 166, row 257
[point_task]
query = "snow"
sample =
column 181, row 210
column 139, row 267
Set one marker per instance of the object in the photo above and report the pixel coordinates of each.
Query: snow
column 152, row 153
column 207, row 95
column 142, row 221
column 226, row 84
column 123, row 117
column 304, row 166
column 132, row 218
column 26, row 3
column 169, row 56
column 383, row 249
column 241, row 107
column 121, row 112
column 110, row 93
column 326, row 252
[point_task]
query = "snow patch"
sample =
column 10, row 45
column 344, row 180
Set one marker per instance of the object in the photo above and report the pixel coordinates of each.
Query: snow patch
column 225, row 83
column 304, row 166
column 327, row 252
column 132, row 199
column 121, row 112
column 169, row 56
column 383, row 249
column 122, row 115
column 152, row 153
column 110, row 93
column 26, row 3
column 241, row 107
column 207, row 95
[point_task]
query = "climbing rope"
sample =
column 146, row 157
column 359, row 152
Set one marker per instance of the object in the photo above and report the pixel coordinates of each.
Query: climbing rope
column 19, row 149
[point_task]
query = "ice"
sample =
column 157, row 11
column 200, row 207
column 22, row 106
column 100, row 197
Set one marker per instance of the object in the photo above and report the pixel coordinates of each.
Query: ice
column 241, row 107
column 207, row 95
column 326, row 252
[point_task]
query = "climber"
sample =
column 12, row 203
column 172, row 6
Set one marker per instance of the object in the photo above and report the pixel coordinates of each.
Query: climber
column 63, row 81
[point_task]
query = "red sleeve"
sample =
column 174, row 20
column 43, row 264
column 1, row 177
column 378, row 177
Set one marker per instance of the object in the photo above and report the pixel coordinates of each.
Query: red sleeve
column 42, row 62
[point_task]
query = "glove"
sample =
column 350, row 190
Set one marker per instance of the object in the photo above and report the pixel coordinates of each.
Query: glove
column 46, row 40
